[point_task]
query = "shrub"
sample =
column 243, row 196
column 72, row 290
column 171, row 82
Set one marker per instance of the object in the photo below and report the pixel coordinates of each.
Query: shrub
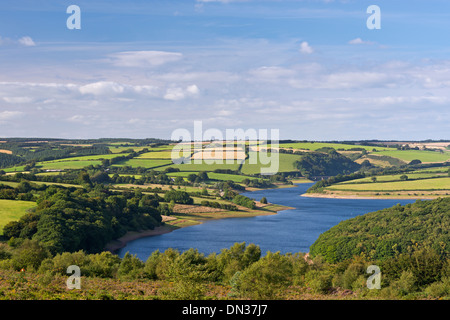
column 189, row 272
column 406, row 284
column 178, row 197
column 319, row 281
column 351, row 274
column 29, row 255
column 244, row 201
column 266, row 278
column 130, row 267
column 60, row 262
column 237, row 258
column 103, row 265
column 439, row 289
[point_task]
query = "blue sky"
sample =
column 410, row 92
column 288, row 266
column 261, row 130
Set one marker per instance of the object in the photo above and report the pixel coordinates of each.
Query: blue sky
column 310, row 68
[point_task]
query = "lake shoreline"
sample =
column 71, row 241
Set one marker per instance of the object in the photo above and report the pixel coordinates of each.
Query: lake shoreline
column 115, row 245
column 356, row 197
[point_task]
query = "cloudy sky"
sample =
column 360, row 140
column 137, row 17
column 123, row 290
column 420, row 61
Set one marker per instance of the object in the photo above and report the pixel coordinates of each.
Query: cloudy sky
column 144, row 68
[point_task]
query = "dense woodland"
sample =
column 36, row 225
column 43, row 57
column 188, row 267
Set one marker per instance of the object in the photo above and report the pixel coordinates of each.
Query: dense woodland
column 388, row 233
column 330, row 163
column 79, row 219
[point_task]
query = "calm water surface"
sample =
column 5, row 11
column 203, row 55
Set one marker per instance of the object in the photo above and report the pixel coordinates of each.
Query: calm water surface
column 288, row 231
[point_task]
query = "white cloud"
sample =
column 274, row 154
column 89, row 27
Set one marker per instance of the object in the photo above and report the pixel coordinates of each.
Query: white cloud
column 123, row 92
column 272, row 73
column 27, row 41
column 10, row 115
column 24, row 41
column 360, row 41
column 144, row 58
column 78, row 118
column 193, row 89
column 17, row 99
column 178, row 93
column 102, row 88
column 306, row 48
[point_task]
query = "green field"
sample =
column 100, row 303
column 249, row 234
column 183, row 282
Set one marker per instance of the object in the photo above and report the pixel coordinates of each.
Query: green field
column 144, row 163
column 434, row 169
column 9, row 183
column 14, row 169
column 396, row 177
column 422, row 155
column 117, row 150
column 65, row 165
column 136, row 176
column 286, row 163
column 90, row 157
column 156, row 155
column 227, row 177
column 204, row 166
column 317, row 145
column 161, row 148
column 409, row 185
column 213, row 176
column 50, row 173
column 15, row 184
column 11, row 210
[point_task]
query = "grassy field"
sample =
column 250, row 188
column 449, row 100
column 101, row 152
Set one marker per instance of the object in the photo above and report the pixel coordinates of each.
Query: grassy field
column 14, row 169
column 90, row 157
column 226, row 177
column 144, row 163
column 65, row 165
column 213, row 176
column 117, row 150
column 422, row 155
column 435, row 169
column 317, row 145
column 15, row 184
column 286, row 163
column 396, row 177
column 156, row 155
column 136, row 176
column 409, row 185
column 203, row 166
column 380, row 160
column 11, row 210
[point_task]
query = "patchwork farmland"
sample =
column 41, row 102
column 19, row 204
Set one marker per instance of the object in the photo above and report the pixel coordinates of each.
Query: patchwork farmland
column 239, row 164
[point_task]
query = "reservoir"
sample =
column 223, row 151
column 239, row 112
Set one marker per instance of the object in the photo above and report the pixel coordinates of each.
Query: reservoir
column 293, row 230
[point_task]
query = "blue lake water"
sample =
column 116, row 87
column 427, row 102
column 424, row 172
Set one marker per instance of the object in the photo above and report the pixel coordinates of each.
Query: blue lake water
column 288, row 231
